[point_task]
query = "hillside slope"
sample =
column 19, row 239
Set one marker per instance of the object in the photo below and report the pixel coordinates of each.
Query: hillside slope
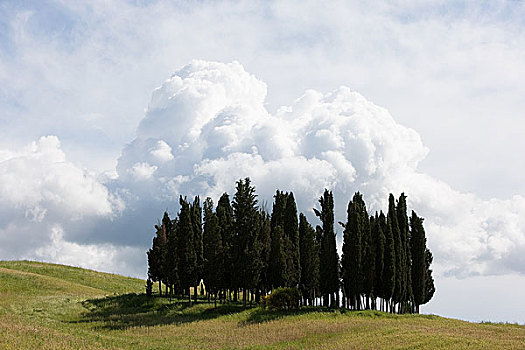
column 47, row 306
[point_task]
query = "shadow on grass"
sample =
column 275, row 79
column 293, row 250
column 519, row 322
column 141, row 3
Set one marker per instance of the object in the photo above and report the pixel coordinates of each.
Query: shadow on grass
column 138, row 310
column 260, row 315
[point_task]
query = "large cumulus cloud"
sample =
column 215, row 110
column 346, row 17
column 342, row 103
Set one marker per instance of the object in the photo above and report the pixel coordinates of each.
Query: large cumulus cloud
column 207, row 126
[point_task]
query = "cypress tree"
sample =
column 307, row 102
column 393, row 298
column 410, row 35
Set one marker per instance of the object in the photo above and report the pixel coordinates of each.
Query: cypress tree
column 402, row 219
column 156, row 262
column 329, row 259
column 265, row 238
column 213, row 268
column 224, row 214
column 277, row 266
column 429, row 280
column 291, row 233
column 171, row 258
column 246, row 216
column 378, row 239
column 400, row 285
column 419, row 267
column 196, row 221
column 186, row 248
column 309, row 258
column 352, row 253
column 389, row 264
column 369, row 261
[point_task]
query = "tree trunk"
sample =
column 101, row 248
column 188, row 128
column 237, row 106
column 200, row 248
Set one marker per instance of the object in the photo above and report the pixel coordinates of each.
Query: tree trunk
column 189, row 295
column 160, row 288
column 195, row 293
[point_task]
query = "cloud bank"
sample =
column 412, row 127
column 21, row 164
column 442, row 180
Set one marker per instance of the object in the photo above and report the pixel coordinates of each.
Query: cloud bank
column 206, row 127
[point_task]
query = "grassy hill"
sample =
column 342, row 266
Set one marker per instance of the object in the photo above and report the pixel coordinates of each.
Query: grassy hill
column 48, row 306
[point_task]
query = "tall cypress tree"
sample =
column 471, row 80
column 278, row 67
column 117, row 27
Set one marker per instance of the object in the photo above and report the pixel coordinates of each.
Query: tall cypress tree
column 402, row 219
column 378, row 238
column 156, row 261
column 400, row 283
column 246, row 215
column 224, row 214
column 329, row 259
column 196, row 221
column 171, row 258
column 389, row 263
column 419, row 267
column 213, row 268
column 187, row 257
column 291, row 233
column 277, row 266
column 309, row 258
column 351, row 268
column 265, row 238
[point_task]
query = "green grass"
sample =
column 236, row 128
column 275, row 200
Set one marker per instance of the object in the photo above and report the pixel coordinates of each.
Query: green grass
column 47, row 306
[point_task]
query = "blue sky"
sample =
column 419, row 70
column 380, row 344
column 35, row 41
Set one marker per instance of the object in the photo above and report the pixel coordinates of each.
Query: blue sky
column 82, row 75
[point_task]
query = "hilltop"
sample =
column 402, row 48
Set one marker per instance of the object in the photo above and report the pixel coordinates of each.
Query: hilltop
column 52, row 306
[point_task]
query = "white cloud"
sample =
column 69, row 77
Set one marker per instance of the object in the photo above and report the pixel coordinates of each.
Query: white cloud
column 337, row 140
column 40, row 193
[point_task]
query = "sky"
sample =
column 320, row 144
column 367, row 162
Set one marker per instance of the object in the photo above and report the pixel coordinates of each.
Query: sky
column 110, row 110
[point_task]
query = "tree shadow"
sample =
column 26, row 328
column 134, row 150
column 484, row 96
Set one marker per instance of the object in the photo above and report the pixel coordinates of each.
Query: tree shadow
column 260, row 315
column 138, row 310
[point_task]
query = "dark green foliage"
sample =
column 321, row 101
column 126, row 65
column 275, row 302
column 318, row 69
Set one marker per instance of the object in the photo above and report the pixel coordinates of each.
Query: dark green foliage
column 419, row 266
column 224, row 214
column 429, row 280
column 277, row 264
column 243, row 249
column 309, row 250
column 277, row 269
column 351, row 260
column 402, row 219
column 283, row 298
column 400, row 282
column 156, row 268
column 170, row 254
column 248, row 247
column 389, row 262
column 265, row 239
column 379, row 241
column 329, row 259
column 187, row 267
column 213, row 270
column 291, row 234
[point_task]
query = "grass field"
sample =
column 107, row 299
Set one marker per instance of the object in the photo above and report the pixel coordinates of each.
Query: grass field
column 47, row 306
